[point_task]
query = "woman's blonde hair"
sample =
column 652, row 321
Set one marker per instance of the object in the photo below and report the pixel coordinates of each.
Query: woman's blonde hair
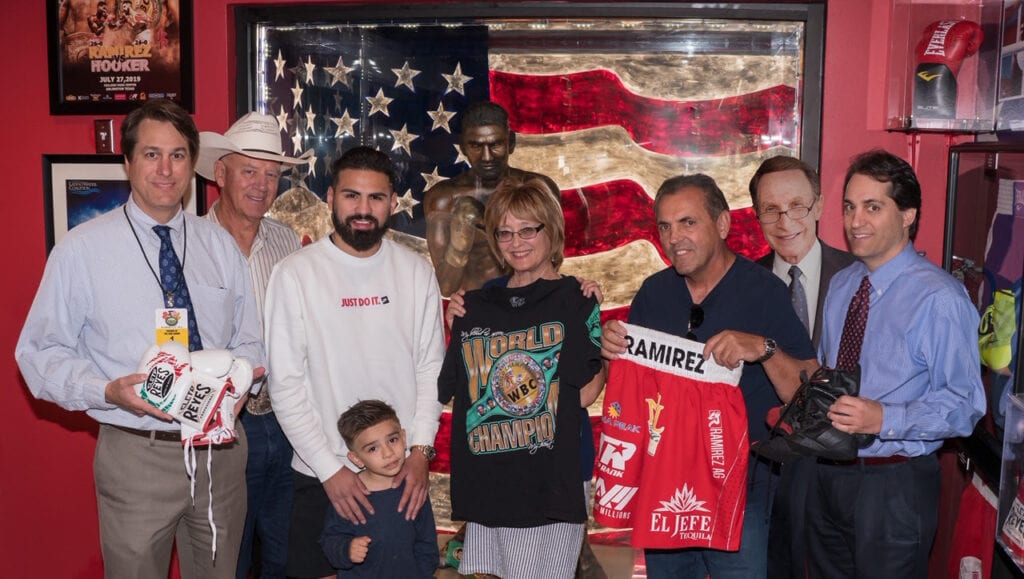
column 530, row 199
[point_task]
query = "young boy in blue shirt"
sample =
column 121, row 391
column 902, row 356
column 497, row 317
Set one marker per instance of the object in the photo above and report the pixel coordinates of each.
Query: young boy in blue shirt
column 387, row 545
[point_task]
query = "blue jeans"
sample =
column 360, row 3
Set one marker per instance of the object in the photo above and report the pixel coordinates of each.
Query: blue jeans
column 750, row 562
column 268, row 476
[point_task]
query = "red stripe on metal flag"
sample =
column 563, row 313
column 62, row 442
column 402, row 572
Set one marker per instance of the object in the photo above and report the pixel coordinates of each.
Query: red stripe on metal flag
column 745, row 237
column 605, row 216
column 609, row 215
column 571, row 102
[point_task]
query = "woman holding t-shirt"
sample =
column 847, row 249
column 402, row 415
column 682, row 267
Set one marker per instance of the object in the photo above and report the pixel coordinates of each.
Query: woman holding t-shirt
column 519, row 360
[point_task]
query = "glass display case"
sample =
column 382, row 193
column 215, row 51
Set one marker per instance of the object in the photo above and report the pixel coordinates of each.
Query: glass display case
column 942, row 64
column 1010, row 520
column 984, row 248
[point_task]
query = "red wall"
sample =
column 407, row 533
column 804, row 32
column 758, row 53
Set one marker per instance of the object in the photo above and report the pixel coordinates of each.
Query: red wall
column 47, row 506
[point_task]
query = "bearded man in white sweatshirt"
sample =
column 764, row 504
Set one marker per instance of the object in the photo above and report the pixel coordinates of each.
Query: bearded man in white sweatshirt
column 351, row 317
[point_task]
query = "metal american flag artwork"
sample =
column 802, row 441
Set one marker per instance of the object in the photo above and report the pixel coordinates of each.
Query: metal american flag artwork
column 607, row 108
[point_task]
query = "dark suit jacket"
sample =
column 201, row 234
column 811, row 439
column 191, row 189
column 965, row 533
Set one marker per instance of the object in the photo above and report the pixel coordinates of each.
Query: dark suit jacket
column 832, row 260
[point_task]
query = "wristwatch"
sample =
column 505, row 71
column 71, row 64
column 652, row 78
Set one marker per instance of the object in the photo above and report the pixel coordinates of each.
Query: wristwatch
column 427, row 450
column 769, row 350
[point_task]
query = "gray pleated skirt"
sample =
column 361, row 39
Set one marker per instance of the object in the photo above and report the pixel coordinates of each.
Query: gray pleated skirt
column 548, row 551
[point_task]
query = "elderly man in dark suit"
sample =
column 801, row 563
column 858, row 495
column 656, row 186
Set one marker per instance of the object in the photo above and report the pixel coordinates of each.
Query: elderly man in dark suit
column 786, row 194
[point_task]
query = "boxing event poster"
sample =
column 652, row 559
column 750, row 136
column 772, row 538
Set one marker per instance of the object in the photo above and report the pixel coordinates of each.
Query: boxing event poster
column 105, row 56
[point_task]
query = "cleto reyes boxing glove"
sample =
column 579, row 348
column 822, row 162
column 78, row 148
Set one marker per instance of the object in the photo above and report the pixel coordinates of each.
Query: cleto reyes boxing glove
column 942, row 50
column 224, row 379
column 198, row 389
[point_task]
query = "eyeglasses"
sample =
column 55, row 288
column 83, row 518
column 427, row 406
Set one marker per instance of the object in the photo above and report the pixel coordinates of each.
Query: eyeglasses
column 696, row 319
column 505, row 235
column 795, row 213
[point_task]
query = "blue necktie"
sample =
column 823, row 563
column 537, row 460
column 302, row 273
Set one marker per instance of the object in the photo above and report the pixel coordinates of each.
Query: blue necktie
column 173, row 281
column 798, row 297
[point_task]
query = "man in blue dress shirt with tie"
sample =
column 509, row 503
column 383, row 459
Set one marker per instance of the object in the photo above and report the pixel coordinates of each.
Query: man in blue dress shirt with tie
column 913, row 332
column 94, row 316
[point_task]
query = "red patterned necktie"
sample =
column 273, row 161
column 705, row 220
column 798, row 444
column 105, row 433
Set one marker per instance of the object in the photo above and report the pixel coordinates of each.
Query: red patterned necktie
column 853, row 329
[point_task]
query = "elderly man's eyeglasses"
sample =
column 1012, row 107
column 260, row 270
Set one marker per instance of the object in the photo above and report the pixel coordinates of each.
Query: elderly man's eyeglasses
column 506, row 235
column 795, row 213
column 696, row 319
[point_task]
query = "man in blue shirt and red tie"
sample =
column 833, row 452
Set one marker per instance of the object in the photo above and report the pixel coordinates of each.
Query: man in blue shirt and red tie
column 912, row 329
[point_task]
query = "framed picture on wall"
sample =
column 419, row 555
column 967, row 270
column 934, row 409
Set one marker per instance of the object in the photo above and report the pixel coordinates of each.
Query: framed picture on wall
column 77, row 188
column 106, row 56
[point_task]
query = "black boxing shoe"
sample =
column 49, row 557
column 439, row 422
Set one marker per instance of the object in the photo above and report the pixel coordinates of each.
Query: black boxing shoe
column 803, row 427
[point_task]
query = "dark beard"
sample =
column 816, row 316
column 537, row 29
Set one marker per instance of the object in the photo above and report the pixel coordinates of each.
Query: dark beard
column 359, row 240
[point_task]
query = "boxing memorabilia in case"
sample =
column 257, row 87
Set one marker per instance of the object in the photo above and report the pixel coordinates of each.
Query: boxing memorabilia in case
column 942, row 65
column 942, row 50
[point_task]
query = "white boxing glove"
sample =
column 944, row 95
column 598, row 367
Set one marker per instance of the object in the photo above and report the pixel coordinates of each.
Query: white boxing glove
column 168, row 375
column 220, row 381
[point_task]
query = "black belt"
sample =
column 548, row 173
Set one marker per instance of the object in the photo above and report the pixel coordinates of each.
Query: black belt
column 867, row 461
column 162, row 435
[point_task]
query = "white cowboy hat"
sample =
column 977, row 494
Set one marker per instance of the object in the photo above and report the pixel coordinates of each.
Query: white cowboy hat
column 255, row 135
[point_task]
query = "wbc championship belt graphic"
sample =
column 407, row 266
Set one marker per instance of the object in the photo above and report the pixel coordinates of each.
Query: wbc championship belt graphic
column 513, row 387
column 518, row 386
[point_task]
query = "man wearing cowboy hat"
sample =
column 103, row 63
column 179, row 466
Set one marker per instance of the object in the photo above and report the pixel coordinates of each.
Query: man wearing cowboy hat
column 246, row 167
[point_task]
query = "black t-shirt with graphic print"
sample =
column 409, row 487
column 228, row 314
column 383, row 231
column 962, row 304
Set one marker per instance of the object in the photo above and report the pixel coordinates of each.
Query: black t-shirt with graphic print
column 514, row 365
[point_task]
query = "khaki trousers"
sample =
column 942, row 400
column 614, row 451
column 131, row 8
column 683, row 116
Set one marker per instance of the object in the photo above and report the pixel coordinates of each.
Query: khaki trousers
column 142, row 495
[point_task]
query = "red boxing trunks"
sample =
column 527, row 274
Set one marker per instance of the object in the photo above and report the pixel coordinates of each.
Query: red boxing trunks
column 672, row 462
column 970, row 552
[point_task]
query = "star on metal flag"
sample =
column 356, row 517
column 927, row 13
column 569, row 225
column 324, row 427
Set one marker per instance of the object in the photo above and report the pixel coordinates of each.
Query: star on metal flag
column 457, row 81
column 278, row 66
column 339, row 73
column 297, row 93
column 406, row 203
column 282, row 120
column 312, row 166
column 432, row 178
column 379, row 103
column 310, row 67
column 459, row 157
column 310, row 119
column 405, row 76
column 346, row 125
column 297, row 141
column 441, row 118
column 403, row 139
